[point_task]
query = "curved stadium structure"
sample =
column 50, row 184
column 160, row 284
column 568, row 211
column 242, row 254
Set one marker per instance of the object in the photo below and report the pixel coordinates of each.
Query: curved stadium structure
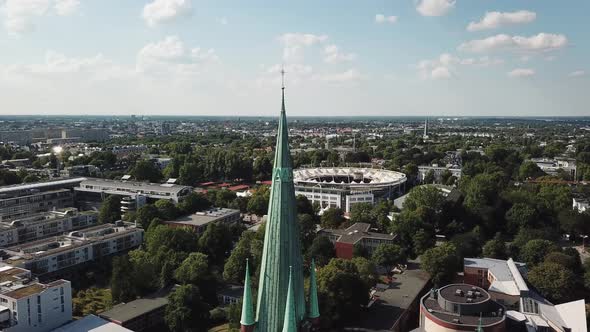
column 345, row 186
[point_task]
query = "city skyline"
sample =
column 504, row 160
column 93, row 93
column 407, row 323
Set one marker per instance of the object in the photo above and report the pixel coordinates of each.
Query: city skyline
column 378, row 58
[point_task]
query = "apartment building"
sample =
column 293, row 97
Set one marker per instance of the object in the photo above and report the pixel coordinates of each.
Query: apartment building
column 54, row 255
column 24, row 199
column 95, row 189
column 45, row 224
column 199, row 221
column 27, row 305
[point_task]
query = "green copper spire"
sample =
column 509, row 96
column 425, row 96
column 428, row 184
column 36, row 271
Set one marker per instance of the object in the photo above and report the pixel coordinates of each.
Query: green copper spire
column 314, row 308
column 247, row 309
column 290, row 321
column 281, row 242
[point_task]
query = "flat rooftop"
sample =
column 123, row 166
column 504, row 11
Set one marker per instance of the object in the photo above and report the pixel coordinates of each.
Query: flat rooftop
column 129, row 186
column 357, row 232
column 394, row 299
column 203, row 218
column 125, row 312
column 40, row 185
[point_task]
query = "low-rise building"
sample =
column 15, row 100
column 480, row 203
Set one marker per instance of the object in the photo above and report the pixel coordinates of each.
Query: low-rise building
column 230, row 294
column 553, row 166
column 438, row 171
column 95, row 189
column 142, row 314
column 54, row 255
column 27, row 305
column 359, row 234
column 527, row 310
column 45, row 224
column 91, row 323
column 581, row 203
column 198, row 221
column 461, row 307
column 24, row 199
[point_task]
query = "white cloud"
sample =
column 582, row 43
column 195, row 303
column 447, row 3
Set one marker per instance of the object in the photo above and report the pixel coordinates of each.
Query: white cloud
column 446, row 65
column 295, row 43
column 19, row 14
column 521, row 72
column 434, row 7
column 223, row 21
column 55, row 64
column 577, row 73
column 351, row 75
column 542, row 42
column 494, row 20
column 66, row 7
column 172, row 56
column 440, row 73
column 333, row 55
column 380, row 18
column 165, row 11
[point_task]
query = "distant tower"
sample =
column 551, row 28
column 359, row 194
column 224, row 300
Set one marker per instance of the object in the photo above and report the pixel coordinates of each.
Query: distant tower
column 425, row 136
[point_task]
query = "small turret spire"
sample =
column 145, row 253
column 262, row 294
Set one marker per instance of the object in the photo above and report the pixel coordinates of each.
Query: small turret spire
column 247, row 320
column 290, row 322
column 314, row 308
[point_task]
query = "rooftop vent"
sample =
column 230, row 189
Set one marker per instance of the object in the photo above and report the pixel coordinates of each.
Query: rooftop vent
column 459, row 292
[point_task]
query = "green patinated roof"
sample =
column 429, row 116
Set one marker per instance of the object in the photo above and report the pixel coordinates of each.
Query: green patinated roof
column 314, row 308
column 281, row 242
column 290, row 321
column 247, row 308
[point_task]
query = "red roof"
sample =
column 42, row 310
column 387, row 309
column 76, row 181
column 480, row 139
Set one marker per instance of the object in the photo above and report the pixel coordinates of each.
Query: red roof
column 225, row 184
column 239, row 187
column 205, row 184
column 269, row 182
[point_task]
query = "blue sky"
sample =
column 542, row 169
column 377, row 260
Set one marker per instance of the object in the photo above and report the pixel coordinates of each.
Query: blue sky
column 346, row 57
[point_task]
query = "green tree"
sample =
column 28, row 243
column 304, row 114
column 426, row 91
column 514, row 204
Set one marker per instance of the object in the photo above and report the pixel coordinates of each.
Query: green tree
column 535, row 251
column 322, row 250
column 341, row 291
column 216, row 242
column 144, row 271
column 186, row 311
column 145, row 170
column 193, row 270
column 304, row 206
column 567, row 261
column 122, row 283
column 362, row 212
column 146, row 214
column 553, row 281
column 110, row 210
column 194, row 202
column 441, row 262
column 258, row 203
column 166, row 209
column 520, row 215
column 495, row 248
column 429, row 177
column 332, row 218
column 387, row 255
column 529, row 170
column 172, row 238
column 307, row 230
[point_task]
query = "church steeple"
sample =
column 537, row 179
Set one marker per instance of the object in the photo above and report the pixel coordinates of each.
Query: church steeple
column 314, row 308
column 247, row 320
column 290, row 321
column 281, row 242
